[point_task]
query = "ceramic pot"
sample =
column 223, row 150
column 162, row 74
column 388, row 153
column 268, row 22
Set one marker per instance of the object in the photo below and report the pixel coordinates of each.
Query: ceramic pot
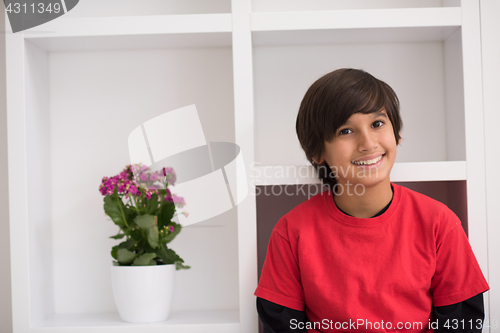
column 143, row 294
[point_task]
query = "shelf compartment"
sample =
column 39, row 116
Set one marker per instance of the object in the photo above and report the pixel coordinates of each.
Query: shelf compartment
column 178, row 322
column 423, row 65
column 78, row 110
column 357, row 19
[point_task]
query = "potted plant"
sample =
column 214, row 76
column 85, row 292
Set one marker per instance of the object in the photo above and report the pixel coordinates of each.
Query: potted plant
column 139, row 201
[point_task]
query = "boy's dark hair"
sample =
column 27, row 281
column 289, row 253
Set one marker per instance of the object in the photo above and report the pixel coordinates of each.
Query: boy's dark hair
column 331, row 100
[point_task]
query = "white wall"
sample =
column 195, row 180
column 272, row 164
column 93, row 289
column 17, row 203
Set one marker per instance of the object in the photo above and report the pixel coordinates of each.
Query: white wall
column 490, row 26
column 5, row 294
column 78, row 151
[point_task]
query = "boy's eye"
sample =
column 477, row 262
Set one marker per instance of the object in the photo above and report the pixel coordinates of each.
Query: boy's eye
column 344, row 131
column 378, row 123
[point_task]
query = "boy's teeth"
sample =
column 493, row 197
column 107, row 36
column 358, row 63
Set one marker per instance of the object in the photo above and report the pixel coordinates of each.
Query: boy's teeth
column 368, row 162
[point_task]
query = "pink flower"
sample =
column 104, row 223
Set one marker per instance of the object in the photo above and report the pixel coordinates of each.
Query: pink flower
column 171, row 228
column 133, row 190
column 168, row 196
column 122, row 188
column 138, row 179
column 179, row 201
column 103, row 189
column 170, row 175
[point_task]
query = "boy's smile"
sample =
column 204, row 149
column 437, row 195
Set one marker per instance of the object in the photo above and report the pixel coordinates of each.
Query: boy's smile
column 371, row 161
column 363, row 150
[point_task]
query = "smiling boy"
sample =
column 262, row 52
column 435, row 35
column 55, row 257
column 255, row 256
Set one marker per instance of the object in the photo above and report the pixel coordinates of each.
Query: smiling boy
column 386, row 258
column 363, row 152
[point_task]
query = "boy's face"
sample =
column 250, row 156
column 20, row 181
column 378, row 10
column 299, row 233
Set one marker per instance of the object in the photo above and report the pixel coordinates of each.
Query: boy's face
column 363, row 150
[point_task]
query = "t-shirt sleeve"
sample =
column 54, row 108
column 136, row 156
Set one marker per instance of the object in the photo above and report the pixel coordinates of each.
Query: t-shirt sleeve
column 458, row 276
column 280, row 280
column 470, row 311
column 280, row 319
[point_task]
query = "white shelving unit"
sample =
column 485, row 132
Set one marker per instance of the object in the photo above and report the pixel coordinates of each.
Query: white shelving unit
column 79, row 84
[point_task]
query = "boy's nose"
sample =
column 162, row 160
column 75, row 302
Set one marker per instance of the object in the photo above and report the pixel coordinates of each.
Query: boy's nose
column 366, row 142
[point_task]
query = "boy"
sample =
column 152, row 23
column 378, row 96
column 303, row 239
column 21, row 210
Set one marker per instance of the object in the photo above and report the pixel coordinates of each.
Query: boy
column 365, row 255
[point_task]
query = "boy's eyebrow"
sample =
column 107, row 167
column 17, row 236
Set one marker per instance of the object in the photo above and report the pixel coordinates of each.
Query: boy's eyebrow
column 380, row 113
column 375, row 115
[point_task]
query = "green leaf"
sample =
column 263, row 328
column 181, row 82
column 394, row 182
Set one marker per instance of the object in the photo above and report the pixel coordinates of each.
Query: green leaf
column 125, row 256
column 171, row 235
column 168, row 256
column 118, row 236
column 136, row 234
column 112, row 204
column 113, row 252
column 152, row 205
column 147, row 223
column 128, row 244
column 145, row 260
column 153, row 237
column 131, row 213
column 165, row 213
column 179, row 265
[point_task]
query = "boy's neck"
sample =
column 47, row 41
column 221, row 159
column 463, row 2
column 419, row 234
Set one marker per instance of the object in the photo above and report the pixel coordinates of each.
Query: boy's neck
column 372, row 201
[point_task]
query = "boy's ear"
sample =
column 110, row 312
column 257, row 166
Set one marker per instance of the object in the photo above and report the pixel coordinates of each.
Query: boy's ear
column 399, row 141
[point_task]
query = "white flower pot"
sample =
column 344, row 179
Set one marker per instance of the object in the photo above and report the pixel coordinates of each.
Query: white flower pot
column 143, row 294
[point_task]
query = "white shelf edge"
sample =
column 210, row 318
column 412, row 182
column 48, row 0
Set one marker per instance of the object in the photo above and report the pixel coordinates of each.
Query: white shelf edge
column 429, row 171
column 352, row 19
column 178, row 322
column 401, row 172
column 140, row 25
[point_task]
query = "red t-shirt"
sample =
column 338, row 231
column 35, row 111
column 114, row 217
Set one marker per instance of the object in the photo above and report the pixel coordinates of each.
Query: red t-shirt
column 379, row 274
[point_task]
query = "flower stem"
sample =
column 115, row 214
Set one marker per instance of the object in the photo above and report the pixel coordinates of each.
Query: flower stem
column 135, row 204
column 123, row 213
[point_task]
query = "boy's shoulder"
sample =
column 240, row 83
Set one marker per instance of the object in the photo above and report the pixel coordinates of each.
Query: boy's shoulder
column 309, row 210
column 311, row 206
column 425, row 210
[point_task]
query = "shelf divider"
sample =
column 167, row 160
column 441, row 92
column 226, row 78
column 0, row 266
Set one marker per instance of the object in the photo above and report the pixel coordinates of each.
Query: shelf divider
column 129, row 25
column 221, row 321
column 354, row 19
